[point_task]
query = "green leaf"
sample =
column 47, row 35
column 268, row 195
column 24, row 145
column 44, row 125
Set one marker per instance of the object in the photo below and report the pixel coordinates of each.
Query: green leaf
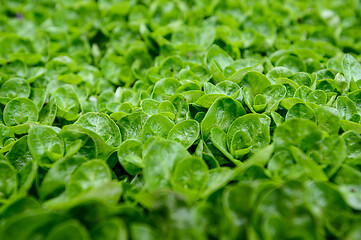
column 318, row 97
column 221, row 114
column 15, row 88
column 181, row 107
column 346, row 107
column 78, row 142
column 260, row 103
column 19, row 155
column 67, row 102
column 132, row 124
column 302, row 111
column 102, row 125
column 165, row 88
column 218, row 178
column 351, row 68
column 45, row 152
column 19, row 111
column 238, row 76
column 219, row 138
column 341, row 84
column 274, row 94
column 185, row 132
column 353, row 142
column 216, row 55
column 254, row 129
column 87, row 176
column 38, row 96
column 302, row 79
column 227, row 87
column 330, row 153
column 355, row 96
column 190, row 176
column 347, row 125
column 156, row 125
column 58, row 176
column 290, row 102
column 48, row 113
column 207, row 100
column 180, row 119
column 348, row 180
column 278, row 72
column 255, row 81
column 160, row 158
column 310, row 167
column 150, row 106
column 21, row 159
column 328, row 119
column 130, row 156
column 5, row 134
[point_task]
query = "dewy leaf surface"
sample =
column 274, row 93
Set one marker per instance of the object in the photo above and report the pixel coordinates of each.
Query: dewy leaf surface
column 180, row 119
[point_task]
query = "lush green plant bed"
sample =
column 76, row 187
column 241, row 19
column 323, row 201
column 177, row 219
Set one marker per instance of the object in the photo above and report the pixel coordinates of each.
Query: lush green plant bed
column 194, row 119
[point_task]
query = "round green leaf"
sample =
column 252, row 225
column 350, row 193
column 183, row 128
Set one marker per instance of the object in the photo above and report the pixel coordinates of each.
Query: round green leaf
column 156, row 125
column 19, row 111
column 14, row 88
column 254, row 127
column 103, row 125
column 255, row 81
column 87, row 176
column 160, row 158
column 130, row 156
column 302, row 111
column 190, row 175
column 185, row 132
column 67, row 101
column 45, row 145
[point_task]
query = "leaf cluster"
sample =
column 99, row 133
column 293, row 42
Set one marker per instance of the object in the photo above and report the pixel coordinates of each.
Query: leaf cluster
column 189, row 119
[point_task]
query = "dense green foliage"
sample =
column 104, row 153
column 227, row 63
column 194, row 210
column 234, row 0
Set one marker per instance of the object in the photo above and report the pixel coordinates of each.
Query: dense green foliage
column 193, row 119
